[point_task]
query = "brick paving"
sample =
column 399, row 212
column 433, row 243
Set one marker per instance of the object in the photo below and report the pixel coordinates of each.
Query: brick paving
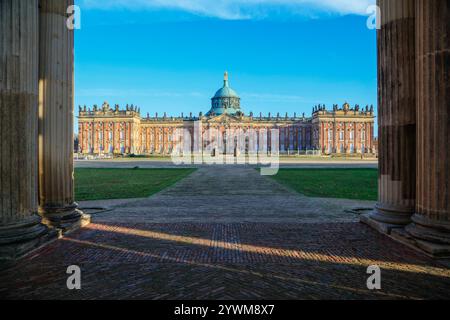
column 302, row 250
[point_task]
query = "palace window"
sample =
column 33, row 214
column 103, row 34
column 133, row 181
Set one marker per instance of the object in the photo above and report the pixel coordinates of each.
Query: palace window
column 291, row 138
column 144, row 141
column 90, row 139
column 308, row 139
column 100, row 140
column 352, row 135
column 363, row 135
column 341, row 135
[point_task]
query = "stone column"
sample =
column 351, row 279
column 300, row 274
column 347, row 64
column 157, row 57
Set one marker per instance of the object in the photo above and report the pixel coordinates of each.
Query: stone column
column 432, row 217
column 20, row 225
column 335, row 137
column 371, row 137
column 397, row 116
column 80, row 138
column 56, row 94
column 323, row 138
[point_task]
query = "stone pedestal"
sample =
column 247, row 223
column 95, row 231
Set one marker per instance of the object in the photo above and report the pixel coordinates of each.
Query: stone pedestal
column 397, row 116
column 56, row 101
column 20, row 227
column 431, row 222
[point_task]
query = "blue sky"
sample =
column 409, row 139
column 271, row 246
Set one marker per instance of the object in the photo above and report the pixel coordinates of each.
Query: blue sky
column 169, row 56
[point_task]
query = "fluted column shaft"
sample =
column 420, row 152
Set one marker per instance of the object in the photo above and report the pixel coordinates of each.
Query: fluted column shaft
column 397, row 116
column 432, row 218
column 56, row 100
column 20, row 225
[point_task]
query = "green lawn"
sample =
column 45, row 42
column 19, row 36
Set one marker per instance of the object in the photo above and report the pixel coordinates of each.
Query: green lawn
column 100, row 184
column 360, row 184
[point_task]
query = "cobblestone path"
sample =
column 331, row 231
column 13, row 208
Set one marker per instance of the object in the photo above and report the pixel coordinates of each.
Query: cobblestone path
column 226, row 233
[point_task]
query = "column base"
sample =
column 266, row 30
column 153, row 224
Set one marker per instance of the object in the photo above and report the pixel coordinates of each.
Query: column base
column 67, row 219
column 429, row 230
column 381, row 227
column 399, row 216
column 17, row 240
column 433, row 250
column 402, row 235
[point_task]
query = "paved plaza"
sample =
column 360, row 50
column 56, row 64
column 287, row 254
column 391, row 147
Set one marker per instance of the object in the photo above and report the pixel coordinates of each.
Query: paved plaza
column 226, row 233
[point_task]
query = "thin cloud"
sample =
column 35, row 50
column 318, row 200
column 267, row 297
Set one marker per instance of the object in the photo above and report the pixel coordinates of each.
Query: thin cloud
column 237, row 9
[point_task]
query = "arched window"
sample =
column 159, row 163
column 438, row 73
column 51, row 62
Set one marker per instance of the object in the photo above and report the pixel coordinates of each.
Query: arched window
column 100, row 138
column 144, row 141
column 300, row 146
column 308, row 139
column 90, row 141
column 291, row 138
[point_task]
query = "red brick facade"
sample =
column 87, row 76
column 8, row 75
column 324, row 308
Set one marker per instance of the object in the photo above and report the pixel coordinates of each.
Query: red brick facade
column 114, row 131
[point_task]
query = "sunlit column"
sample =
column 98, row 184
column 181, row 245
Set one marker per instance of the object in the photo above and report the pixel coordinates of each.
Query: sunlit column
column 20, row 225
column 56, row 94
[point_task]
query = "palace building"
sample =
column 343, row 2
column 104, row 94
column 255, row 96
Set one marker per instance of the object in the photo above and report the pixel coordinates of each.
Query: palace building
column 342, row 130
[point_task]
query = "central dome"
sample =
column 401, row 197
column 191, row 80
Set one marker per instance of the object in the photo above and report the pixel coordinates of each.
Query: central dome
column 226, row 92
column 226, row 100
